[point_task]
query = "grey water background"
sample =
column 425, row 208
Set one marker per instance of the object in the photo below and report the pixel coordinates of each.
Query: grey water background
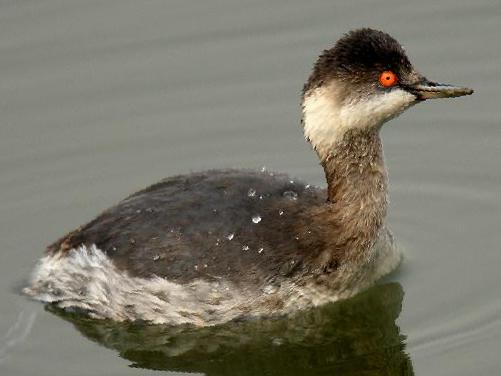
column 101, row 98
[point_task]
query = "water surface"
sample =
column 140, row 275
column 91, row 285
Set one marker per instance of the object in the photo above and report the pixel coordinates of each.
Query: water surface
column 99, row 99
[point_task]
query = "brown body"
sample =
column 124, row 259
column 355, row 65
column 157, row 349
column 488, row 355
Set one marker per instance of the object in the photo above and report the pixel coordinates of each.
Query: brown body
column 200, row 225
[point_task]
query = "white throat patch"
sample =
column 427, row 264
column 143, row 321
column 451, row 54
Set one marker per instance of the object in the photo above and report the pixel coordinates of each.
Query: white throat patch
column 326, row 119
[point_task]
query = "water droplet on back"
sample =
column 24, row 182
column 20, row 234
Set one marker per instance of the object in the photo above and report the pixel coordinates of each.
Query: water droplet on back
column 251, row 192
column 230, row 236
column 256, row 218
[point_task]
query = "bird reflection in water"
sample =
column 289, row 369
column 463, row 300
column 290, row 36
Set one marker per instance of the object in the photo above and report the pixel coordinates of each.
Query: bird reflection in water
column 358, row 336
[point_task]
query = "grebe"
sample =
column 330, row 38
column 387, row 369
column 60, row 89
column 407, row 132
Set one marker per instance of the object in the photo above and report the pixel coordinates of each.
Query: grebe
column 210, row 247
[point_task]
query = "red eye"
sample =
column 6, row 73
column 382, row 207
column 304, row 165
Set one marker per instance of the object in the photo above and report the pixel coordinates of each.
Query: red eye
column 388, row 79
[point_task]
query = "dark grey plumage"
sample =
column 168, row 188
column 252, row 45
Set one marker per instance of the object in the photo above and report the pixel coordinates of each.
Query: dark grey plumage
column 359, row 57
column 201, row 226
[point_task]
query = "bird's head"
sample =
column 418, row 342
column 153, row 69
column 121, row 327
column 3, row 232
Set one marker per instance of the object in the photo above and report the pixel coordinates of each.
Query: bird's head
column 362, row 82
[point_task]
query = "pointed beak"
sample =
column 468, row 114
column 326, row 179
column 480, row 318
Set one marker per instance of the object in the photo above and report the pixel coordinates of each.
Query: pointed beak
column 425, row 89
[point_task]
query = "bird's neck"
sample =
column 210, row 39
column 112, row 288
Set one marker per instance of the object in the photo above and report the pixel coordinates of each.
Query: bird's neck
column 346, row 139
column 357, row 182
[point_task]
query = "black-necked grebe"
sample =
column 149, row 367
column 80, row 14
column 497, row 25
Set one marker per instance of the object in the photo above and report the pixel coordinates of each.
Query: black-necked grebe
column 209, row 247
